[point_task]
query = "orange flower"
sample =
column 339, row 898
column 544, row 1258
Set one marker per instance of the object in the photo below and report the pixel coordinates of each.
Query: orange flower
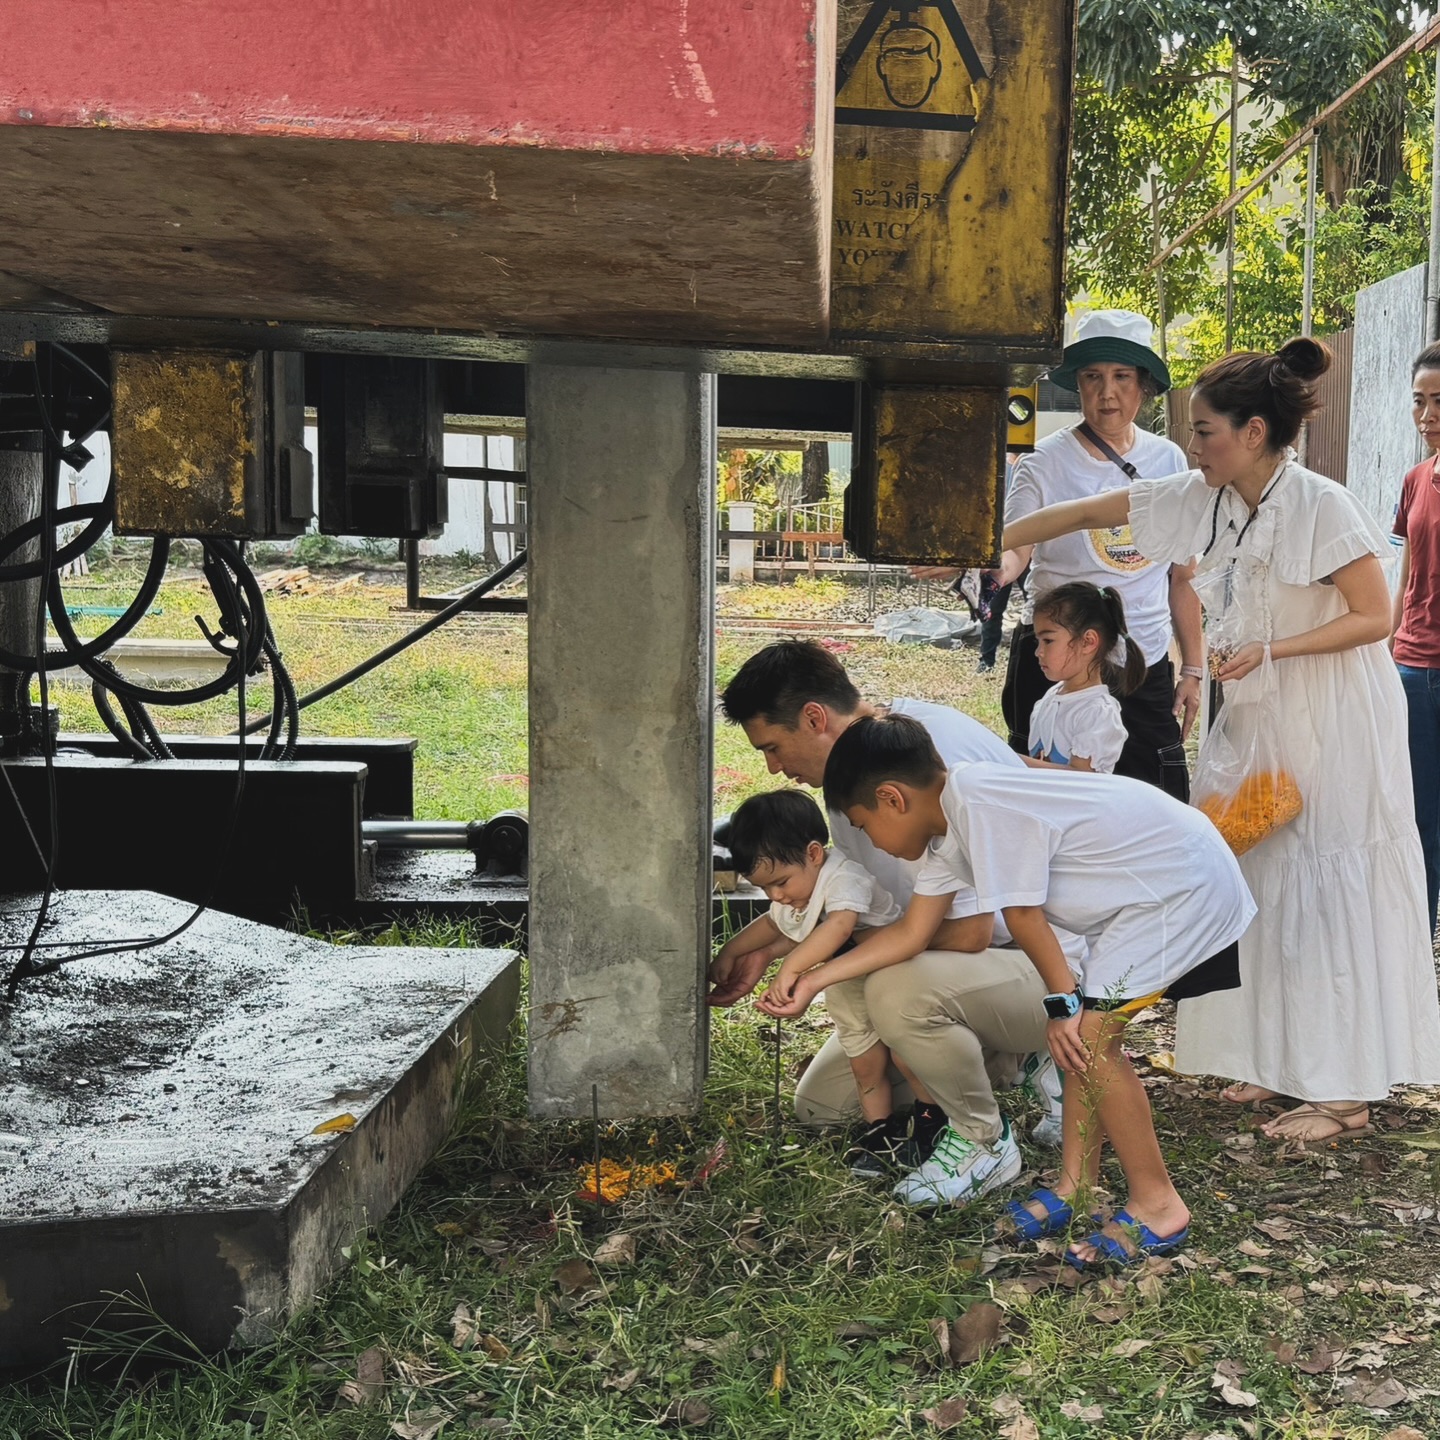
column 617, row 1180
column 1260, row 805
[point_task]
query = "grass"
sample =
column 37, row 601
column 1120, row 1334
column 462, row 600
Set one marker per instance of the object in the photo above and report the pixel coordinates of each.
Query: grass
column 780, row 1265
column 782, row 1259
column 461, row 691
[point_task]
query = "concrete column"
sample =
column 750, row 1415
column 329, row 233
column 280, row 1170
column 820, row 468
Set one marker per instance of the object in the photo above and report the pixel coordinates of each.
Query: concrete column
column 21, row 478
column 621, row 489
column 742, row 552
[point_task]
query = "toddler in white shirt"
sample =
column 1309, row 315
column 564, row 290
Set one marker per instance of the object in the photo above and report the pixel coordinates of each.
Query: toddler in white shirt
column 1079, row 632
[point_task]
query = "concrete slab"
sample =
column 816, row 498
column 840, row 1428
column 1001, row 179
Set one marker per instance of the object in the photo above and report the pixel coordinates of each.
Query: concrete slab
column 157, row 1112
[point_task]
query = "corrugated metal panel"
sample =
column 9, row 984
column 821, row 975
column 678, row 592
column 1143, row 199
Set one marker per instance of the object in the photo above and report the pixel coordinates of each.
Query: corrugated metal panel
column 1328, row 440
column 1328, row 434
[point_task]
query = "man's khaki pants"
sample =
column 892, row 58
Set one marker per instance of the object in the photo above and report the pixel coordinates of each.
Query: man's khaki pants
column 956, row 1020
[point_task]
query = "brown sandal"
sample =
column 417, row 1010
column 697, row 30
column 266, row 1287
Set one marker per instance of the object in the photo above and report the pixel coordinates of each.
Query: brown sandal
column 1336, row 1115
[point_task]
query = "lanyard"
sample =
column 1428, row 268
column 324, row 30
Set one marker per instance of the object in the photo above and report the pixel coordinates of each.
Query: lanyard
column 1215, row 511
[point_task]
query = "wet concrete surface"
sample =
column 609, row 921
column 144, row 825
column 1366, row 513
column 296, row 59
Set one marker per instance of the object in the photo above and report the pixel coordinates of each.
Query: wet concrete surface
column 157, row 1111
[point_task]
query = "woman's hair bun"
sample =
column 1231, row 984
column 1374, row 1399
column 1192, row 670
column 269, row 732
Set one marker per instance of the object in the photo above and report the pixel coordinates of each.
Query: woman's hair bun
column 1304, row 358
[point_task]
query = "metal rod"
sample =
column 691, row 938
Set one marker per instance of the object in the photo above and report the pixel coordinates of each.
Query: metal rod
column 1432, row 282
column 1230, row 216
column 1423, row 41
column 595, row 1131
column 412, row 574
column 778, row 1130
column 418, row 834
column 1307, row 304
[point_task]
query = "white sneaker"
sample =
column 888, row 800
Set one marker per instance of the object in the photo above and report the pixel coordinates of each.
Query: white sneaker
column 1045, row 1084
column 960, row 1170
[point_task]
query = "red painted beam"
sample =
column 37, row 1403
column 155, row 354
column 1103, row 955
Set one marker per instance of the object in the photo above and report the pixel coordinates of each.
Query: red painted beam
column 696, row 77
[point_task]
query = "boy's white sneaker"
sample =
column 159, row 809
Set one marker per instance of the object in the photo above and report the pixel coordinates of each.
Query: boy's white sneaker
column 960, row 1170
column 1042, row 1079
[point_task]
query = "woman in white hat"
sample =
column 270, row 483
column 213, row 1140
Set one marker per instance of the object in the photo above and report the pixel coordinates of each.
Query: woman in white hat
column 1114, row 370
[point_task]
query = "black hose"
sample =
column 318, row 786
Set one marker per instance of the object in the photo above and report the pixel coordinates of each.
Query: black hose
column 111, row 721
column 456, row 606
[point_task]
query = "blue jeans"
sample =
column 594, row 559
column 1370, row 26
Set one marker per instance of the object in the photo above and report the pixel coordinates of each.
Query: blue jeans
column 1422, row 697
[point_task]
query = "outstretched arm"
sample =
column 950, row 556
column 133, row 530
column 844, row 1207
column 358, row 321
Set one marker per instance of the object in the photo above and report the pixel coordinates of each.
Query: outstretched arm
column 1094, row 512
column 890, row 945
column 743, row 959
column 815, row 949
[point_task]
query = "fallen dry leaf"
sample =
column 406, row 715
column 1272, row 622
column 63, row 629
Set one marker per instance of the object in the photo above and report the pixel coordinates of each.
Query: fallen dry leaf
column 1232, row 1394
column 689, row 1413
column 1402, row 1432
column 855, row 1330
column 1284, row 1351
column 713, row 1348
column 947, row 1414
column 1090, row 1414
column 1375, row 1393
column 494, row 1347
column 463, row 1329
column 1322, row 1357
column 1127, row 1349
column 424, row 1425
column 975, row 1332
column 1254, row 1251
column 369, row 1382
column 490, row 1425
column 1109, row 1314
column 1278, row 1228
column 575, row 1276
column 338, row 1126
column 620, row 1382
column 617, row 1249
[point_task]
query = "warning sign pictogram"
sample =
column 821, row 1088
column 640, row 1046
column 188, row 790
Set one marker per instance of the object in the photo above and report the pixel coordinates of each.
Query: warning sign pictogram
column 909, row 70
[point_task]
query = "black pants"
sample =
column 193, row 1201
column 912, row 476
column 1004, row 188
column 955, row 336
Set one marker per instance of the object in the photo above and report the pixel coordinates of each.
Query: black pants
column 1153, row 752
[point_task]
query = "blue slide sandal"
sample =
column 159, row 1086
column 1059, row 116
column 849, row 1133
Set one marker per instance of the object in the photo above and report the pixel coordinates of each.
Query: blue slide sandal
column 1146, row 1242
column 1058, row 1215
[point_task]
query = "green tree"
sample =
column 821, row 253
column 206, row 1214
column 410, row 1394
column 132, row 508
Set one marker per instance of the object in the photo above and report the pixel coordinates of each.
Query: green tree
column 1151, row 158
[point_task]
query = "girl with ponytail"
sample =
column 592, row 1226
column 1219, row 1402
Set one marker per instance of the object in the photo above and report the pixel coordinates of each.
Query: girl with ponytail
column 1337, row 1000
column 1083, row 648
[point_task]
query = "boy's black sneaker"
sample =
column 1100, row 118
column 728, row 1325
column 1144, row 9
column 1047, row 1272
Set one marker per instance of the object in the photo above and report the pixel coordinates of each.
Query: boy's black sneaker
column 877, row 1148
column 926, row 1123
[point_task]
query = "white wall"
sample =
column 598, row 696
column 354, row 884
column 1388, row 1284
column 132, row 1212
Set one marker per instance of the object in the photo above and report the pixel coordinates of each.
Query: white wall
column 1389, row 333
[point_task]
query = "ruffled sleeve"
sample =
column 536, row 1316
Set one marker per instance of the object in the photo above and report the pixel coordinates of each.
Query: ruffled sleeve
column 1323, row 528
column 1167, row 516
column 1098, row 733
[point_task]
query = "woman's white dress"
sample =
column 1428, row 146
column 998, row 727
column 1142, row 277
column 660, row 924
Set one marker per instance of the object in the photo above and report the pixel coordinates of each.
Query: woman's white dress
column 1338, row 993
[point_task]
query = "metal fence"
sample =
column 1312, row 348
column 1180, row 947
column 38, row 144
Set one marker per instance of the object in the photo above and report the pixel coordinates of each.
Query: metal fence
column 791, row 534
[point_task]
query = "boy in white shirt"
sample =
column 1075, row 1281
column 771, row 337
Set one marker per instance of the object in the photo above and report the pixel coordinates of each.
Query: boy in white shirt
column 819, row 901
column 1147, row 881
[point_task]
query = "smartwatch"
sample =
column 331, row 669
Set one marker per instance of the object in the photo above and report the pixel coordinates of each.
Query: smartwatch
column 1062, row 1007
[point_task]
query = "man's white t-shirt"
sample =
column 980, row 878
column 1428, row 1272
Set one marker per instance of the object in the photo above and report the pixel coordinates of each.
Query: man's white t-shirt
column 1146, row 880
column 840, row 885
column 1061, row 468
column 960, row 740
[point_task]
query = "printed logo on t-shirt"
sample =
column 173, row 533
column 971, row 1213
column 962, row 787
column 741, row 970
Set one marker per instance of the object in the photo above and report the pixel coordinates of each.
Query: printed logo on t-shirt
column 1114, row 548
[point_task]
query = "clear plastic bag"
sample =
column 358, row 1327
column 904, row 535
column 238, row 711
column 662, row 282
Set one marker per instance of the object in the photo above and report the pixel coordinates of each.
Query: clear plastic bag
column 1236, row 610
column 1242, row 779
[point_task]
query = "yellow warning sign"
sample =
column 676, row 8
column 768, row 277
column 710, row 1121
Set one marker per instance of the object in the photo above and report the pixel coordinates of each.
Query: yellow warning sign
column 909, row 66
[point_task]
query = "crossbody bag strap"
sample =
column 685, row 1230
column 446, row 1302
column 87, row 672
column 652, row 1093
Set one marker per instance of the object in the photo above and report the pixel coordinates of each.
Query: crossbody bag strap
column 1112, row 455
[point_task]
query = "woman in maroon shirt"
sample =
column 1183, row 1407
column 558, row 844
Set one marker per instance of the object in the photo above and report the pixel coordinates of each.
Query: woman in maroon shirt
column 1415, row 638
